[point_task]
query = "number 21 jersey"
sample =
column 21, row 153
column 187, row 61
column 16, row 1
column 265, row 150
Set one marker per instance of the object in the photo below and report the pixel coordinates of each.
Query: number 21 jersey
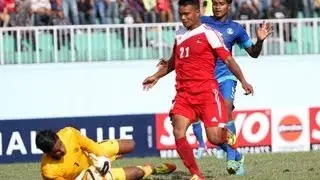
column 195, row 53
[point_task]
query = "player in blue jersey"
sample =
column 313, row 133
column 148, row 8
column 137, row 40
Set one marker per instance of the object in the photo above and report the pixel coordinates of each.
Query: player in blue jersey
column 232, row 32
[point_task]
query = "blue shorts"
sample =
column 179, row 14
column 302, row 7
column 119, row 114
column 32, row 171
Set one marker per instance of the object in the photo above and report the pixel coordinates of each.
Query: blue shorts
column 228, row 89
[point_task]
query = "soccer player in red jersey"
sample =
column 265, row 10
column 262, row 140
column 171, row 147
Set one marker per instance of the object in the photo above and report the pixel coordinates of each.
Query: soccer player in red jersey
column 194, row 54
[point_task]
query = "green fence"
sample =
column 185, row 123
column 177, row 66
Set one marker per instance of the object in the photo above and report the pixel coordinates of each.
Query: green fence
column 137, row 42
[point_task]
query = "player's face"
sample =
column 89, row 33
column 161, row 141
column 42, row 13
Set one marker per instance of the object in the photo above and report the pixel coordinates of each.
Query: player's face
column 220, row 8
column 58, row 150
column 189, row 16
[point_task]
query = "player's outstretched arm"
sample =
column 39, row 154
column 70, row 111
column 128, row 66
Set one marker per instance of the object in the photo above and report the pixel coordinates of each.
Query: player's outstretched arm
column 236, row 70
column 88, row 144
column 222, row 52
column 164, row 67
column 262, row 33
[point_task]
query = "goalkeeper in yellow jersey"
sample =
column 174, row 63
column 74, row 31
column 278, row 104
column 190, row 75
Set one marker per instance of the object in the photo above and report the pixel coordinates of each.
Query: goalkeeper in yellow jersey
column 68, row 155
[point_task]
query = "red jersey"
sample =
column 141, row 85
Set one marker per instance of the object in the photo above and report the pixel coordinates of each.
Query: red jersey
column 195, row 53
column 10, row 5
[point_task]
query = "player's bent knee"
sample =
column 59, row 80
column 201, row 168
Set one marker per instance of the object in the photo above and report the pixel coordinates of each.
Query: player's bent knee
column 180, row 125
column 229, row 105
column 179, row 132
column 132, row 145
column 229, row 108
column 215, row 140
column 126, row 146
column 214, row 135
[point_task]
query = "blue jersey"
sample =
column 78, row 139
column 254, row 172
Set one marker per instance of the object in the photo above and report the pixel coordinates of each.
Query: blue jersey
column 231, row 32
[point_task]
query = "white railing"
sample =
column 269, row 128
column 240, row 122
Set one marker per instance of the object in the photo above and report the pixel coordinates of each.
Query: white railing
column 86, row 43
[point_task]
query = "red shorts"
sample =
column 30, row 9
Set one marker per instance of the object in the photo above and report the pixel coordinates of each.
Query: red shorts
column 208, row 107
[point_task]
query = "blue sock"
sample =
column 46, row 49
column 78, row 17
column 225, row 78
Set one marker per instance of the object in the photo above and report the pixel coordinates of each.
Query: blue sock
column 231, row 127
column 238, row 156
column 231, row 153
column 197, row 130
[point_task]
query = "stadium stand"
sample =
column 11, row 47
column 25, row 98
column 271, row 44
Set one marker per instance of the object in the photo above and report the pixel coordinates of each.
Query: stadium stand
column 42, row 31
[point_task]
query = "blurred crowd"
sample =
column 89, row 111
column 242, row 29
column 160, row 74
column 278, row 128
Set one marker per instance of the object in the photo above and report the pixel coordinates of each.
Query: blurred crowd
column 65, row 12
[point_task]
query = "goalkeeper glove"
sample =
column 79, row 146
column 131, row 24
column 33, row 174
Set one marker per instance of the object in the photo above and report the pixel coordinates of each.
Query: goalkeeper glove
column 102, row 163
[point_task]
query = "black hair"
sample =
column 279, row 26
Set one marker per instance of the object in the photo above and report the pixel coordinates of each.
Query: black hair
column 228, row 1
column 45, row 140
column 194, row 3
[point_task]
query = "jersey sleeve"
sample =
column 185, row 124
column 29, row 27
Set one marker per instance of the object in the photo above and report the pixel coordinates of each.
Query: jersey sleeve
column 243, row 40
column 217, row 44
column 88, row 145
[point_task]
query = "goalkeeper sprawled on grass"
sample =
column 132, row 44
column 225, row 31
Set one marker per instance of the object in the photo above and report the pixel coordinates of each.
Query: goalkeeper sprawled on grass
column 70, row 155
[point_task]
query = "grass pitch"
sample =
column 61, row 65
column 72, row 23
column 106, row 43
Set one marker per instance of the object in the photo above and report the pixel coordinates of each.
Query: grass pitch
column 304, row 166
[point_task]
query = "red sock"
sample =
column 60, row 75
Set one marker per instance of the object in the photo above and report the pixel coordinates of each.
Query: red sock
column 186, row 154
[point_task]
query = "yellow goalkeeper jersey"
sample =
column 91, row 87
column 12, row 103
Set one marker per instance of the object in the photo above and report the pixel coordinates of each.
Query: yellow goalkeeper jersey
column 75, row 160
